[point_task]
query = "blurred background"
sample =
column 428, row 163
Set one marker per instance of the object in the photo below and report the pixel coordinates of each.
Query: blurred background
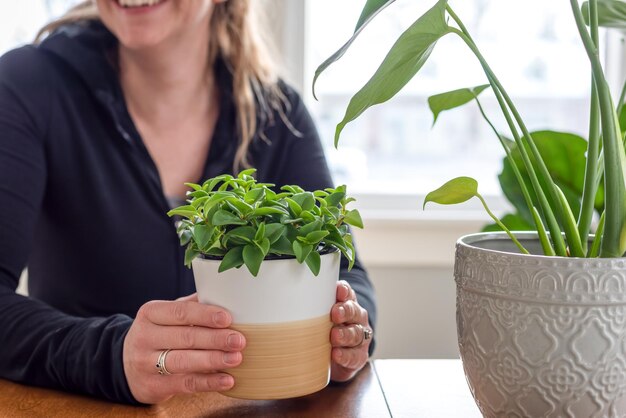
column 393, row 155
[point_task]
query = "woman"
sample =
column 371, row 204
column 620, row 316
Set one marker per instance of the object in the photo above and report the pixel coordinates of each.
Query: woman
column 100, row 126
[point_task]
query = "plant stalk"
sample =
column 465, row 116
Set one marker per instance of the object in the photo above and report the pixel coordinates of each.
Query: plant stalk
column 590, row 184
column 544, row 203
column 614, row 239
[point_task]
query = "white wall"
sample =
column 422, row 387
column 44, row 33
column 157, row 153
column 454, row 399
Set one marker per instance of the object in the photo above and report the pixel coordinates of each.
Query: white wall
column 410, row 257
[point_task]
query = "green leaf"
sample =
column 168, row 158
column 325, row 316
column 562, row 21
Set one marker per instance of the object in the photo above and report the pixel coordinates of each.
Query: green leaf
column 190, row 253
column 611, row 13
column 305, row 200
column 254, row 195
column 194, row 186
column 316, row 236
column 260, row 232
column 240, row 235
column 185, row 237
column 199, row 201
column 273, row 232
column 239, row 205
column 216, row 198
column 452, row 99
column 334, row 199
column 252, row 258
column 282, row 246
column 307, row 216
column 264, row 245
column 223, row 217
column 564, row 156
column 404, row 60
column 301, row 250
column 197, row 194
column 370, row 10
column 455, row 191
column 310, row 227
column 353, row 217
column 294, row 206
column 232, row 259
column 514, row 222
column 202, row 234
column 314, row 262
column 187, row 211
column 245, row 174
column 266, row 211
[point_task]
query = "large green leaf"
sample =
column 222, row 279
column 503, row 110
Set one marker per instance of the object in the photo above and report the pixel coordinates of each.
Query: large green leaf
column 403, row 61
column 452, row 99
column 370, row 10
column 564, row 156
column 457, row 190
column 611, row 13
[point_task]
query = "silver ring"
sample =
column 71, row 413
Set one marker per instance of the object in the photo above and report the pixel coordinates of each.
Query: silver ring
column 366, row 334
column 161, row 363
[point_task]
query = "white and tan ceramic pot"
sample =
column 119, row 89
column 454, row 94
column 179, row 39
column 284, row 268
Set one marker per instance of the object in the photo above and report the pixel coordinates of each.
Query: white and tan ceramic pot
column 284, row 314
column 540, row 336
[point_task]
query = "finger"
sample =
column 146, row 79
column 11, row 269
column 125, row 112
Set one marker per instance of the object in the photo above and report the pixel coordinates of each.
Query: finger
column 350, row 358
column 347, row 336
column 186, row 337
column 191, row 298
column 185, row 313
column 199, row 361
column 343, row 291
column 192, row 383
column 349, row 312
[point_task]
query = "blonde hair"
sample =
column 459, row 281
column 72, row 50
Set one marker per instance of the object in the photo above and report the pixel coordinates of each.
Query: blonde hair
column 236, row 37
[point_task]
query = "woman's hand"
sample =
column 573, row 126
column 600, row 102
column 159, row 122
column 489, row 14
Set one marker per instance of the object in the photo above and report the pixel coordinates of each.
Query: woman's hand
column 351, row 335
column 200, row 342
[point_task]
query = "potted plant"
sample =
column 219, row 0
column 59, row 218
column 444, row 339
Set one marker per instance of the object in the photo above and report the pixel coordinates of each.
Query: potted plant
column 541, row 316
column 272, row 259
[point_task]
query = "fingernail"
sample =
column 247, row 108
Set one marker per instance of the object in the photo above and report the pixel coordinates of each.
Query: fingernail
column 234, row 341
column 341, row 334
column 342, row 312
column 226, row 381
column 231, row 358
column 220, row 318
column 339, row 354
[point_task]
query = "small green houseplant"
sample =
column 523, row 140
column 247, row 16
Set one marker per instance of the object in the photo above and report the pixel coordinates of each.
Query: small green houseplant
column 538, row 314
column 272, row 258
column 242, row 222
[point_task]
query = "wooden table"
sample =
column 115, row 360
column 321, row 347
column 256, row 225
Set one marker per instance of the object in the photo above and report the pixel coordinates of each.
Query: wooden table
column 397, row 388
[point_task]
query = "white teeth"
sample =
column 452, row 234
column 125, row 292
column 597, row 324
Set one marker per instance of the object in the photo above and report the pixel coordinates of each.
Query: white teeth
column 138, row 3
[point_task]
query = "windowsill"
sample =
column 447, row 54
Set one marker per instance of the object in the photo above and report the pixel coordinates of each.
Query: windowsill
column 399, row 233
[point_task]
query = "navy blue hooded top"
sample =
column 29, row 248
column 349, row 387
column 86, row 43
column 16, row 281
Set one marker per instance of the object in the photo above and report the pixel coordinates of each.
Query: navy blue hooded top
column 81, row 204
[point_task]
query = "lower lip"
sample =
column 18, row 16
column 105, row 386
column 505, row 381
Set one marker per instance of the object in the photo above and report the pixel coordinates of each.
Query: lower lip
column 140, row 9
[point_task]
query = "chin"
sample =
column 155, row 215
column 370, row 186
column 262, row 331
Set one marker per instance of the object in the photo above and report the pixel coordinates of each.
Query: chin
column 138, row 23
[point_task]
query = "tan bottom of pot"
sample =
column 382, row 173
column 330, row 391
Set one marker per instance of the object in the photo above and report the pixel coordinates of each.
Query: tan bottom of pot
column 283, row 360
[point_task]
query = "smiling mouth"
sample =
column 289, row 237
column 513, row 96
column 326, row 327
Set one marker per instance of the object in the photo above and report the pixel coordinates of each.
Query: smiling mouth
column 138, row 3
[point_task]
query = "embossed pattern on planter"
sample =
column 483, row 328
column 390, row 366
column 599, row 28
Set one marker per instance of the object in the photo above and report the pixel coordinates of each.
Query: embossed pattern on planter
column 542, row 336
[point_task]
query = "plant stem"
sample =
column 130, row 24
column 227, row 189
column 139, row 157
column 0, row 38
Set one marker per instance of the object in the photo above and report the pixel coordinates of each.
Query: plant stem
column 501, row 225
column 590, row 184
column 544, row 204
column 509, row 156
column 614, row 238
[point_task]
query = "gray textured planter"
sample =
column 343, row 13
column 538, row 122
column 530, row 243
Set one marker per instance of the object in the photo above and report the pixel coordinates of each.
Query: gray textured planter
column 540, row 336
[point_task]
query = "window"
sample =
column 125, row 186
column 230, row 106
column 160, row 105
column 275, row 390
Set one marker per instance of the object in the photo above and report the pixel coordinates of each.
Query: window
column 21, row 20
column 392, row 148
